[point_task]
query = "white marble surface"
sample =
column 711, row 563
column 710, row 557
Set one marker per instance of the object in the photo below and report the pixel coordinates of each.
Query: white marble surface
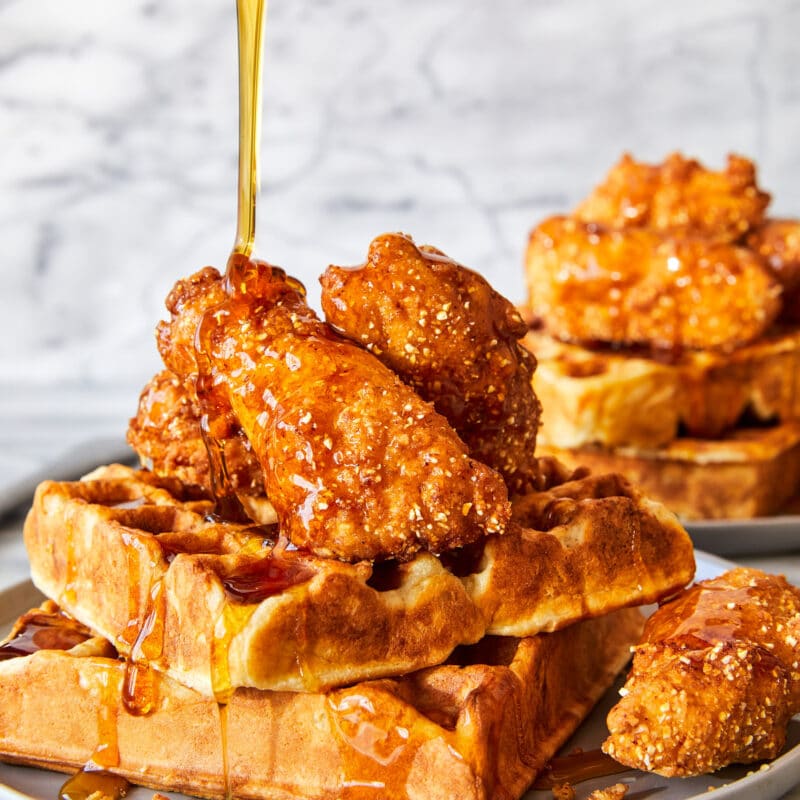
column 461, row 123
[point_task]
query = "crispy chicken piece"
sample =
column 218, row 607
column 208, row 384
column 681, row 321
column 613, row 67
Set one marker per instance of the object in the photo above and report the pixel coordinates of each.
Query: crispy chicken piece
column 679, row 194
column 444, row 330
column 187, row 302
column 166, row 435
column 777, row 241
column 639, row 286
column 715, row 679
column 357, row 465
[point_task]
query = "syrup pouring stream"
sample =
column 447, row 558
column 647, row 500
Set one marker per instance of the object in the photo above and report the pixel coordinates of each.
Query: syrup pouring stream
column 251, row 15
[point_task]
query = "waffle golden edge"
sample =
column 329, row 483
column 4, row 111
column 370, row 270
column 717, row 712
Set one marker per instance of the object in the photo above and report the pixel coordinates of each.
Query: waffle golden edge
column 401, row 664
column 680, row 367
column 327, row 622
column 439, row 731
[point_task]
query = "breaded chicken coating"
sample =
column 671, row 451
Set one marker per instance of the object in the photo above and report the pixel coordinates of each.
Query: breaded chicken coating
column 444, row 330
column 166, row 435
column 679, row 193
column 777, row 241
column 639, row 286
column 355, row 463
column 715, row 679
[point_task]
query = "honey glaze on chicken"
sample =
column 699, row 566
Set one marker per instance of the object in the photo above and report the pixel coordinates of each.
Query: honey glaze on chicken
column 447, row 333
column 357, row 465
column 715, row 679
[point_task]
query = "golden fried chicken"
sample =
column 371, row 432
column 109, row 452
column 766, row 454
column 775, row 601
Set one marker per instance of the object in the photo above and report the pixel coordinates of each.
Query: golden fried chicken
column 715, row 679
column 356, row 464
column 777, row 241
column 166, row 435
column 639, row 286
column 679, row 194
column 444, row 330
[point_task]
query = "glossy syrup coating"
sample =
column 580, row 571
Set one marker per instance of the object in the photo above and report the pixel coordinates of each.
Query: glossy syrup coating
column 680, row 193
column 444, row 330
column 715, row 679
column 667, row 291
column 357, row 465
column 44, row 628
column 777, row 241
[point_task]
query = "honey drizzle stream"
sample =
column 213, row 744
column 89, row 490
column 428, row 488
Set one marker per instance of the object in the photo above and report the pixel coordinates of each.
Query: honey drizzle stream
column 227, row 506
column 251, row 15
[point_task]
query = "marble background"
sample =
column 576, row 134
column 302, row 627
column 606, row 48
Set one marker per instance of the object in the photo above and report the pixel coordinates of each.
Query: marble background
column 461, row 123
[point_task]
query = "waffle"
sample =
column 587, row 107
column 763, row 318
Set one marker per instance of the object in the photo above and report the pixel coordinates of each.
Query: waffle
column 440, row 733
column 750, row 473
column 615, row 398
column 217, row 607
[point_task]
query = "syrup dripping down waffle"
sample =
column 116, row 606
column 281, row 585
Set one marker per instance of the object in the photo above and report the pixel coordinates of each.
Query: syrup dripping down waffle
column 217, row 606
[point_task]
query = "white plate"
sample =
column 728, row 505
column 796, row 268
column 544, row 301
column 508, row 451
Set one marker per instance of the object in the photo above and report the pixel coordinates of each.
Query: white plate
column 759, row 535
column 770, row 783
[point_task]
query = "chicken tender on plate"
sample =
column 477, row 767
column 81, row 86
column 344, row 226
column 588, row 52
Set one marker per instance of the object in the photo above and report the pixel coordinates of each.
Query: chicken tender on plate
column 640, row 286
column 444, row 330
column 679, row 194
column 355, row 463
column 715, row 679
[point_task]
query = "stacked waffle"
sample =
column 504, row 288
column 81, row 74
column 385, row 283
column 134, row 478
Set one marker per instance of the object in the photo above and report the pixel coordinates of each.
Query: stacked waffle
column 664, row 316
column 185, row 650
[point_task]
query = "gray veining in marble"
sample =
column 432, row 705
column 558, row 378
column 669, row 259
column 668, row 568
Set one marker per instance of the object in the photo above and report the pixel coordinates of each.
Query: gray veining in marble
column 460, row 123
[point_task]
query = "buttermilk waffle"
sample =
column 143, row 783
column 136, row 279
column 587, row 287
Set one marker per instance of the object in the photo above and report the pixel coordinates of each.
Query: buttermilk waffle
column 217, row 607
column 752, row 472
column 479, row 727
column 611, row 398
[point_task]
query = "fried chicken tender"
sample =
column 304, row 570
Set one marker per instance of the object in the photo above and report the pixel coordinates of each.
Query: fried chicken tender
column 679, row 194
column 166, row 435
column 355, row 463
column 715, row 679
column 777, row 241
column 639, row 286
column 444, row 330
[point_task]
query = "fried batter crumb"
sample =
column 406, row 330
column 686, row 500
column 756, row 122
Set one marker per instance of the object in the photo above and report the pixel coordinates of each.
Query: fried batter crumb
column 564, row 791
column 615, row 792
